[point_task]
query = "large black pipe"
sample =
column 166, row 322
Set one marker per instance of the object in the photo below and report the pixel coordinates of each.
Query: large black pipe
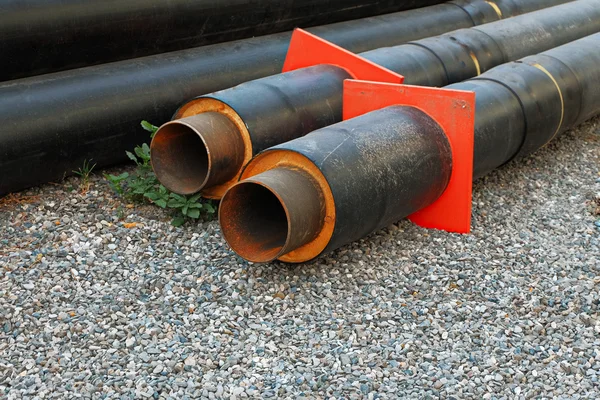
column 283, row 107
column 43, row 36
column 52, row 123
column 385, row 165
column 357, row 175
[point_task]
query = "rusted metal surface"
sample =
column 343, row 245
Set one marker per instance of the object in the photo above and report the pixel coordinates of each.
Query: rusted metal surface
column 272, row 214
column 190, row 153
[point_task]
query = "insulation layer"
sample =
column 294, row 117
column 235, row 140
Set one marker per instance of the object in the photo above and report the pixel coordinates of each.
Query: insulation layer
column 52, row 123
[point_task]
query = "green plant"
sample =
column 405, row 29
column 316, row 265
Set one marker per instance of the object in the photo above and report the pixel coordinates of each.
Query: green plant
column 159, row 196
column 84, row 173
column 150, row 128
column 115, row 182
column 190, row 207
column 142, row 186
column 121, row 213
column 141, row 156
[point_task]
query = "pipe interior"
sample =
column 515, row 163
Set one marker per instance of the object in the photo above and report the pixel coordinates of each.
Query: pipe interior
column 254, row 222
column 180, row 158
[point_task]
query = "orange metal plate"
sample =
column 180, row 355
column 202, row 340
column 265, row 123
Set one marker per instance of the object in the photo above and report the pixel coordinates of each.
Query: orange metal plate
column 307, row 50
column 454, row 110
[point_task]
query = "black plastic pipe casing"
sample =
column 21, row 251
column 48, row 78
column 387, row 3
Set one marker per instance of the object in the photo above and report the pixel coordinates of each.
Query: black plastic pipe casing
column 43, row 36
column 369, row 163
column 521, row 106
column 464, row 53
column 52, row 123
column 435, row 61
column 293, row 105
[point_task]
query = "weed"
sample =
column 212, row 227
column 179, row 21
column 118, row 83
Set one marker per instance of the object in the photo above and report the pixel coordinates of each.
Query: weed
column 84, row 173
column 115, row 182
column 142, row 186
column 150, row 128
column 190, row 207
column 121, row 213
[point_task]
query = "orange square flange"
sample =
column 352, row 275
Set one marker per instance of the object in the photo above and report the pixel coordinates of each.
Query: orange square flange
column 307, row 50
column 454, row 111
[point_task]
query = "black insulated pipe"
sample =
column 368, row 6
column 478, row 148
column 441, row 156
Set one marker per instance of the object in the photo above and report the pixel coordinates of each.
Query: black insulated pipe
column 369, row 163
column 292, row 104
column 387, row 171
column 94, row 113
column 522, row 106
column 43, row 36
column 302, row 106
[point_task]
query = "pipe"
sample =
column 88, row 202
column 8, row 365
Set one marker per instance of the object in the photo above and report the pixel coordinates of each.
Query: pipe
column 385, row 165
column 302, row 106
column 44, row 36
column 94, row 113
column 202, row 166
column 356, row 157
column 281, row 96
column 287, row 211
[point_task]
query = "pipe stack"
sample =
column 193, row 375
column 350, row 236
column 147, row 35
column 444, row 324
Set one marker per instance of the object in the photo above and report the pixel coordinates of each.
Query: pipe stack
column 52, row 123
column 338, row 184
column 295, row 181
column 276, row 109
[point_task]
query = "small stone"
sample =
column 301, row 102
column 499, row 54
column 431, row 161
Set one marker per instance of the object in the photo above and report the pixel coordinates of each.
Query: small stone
column 190, row 361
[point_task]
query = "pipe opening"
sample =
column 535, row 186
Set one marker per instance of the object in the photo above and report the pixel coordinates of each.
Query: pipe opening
column 254, row 221
column 180, row 158
column 196, row 152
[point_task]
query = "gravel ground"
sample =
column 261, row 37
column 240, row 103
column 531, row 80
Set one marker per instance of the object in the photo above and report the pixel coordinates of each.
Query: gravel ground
column 98, row 300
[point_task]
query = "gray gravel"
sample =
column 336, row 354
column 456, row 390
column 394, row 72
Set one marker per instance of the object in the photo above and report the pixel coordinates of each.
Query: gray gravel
column 98, row 300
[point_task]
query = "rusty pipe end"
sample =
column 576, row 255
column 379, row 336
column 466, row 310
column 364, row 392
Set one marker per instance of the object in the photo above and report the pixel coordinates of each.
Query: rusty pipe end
column 200, row 151
column 271, row 214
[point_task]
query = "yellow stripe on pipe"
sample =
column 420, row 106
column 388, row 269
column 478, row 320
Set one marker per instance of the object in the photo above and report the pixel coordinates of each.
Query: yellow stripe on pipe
column 562, row 101
column 496, row 8
column 475, row 61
